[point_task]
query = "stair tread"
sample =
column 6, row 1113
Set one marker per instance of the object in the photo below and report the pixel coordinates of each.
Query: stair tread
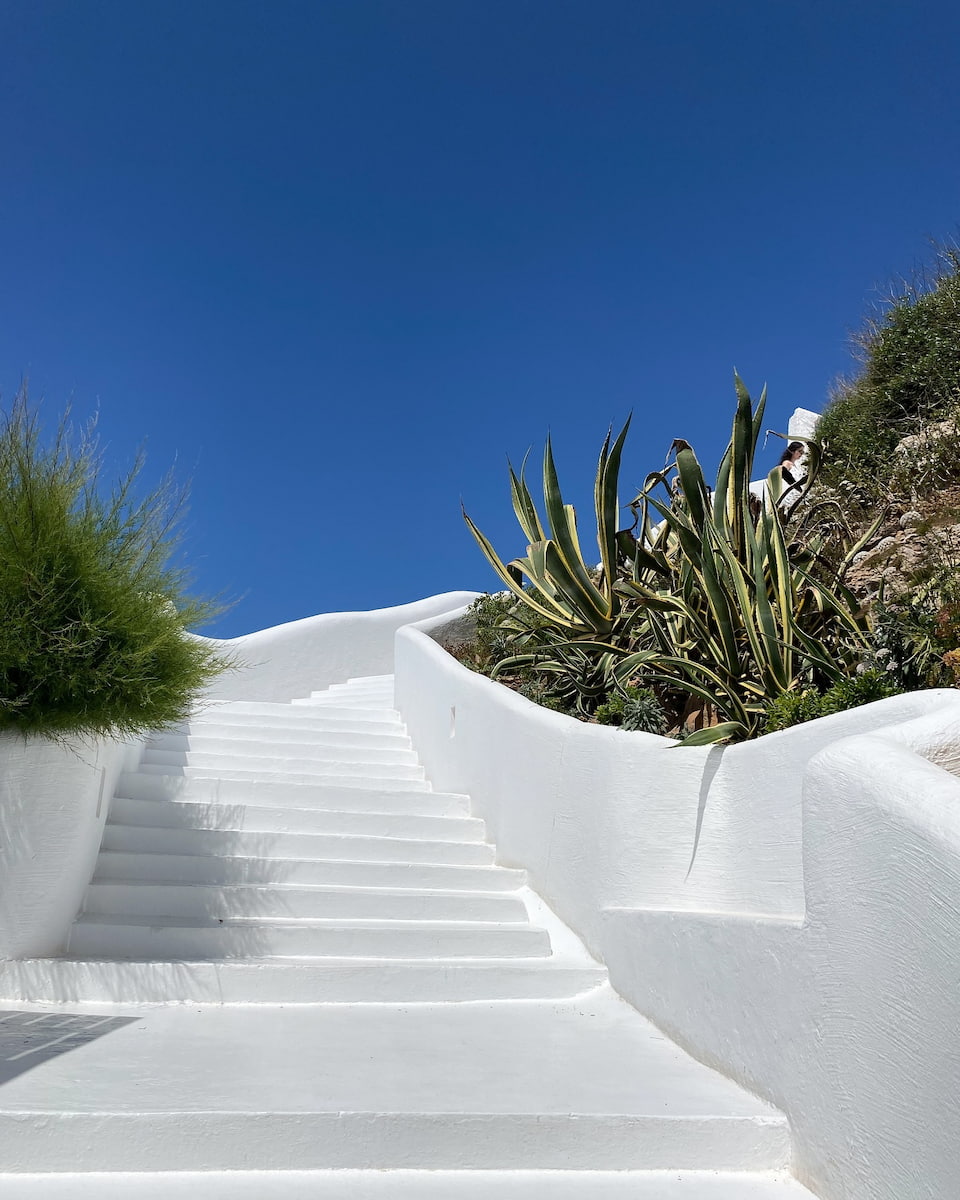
column 540, row 1058
column 408, row 1184
column 310, row 889
column 175, row 922
column 242, row 818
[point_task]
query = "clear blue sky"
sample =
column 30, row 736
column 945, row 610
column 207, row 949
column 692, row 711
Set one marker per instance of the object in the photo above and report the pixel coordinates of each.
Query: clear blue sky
column 339, row 258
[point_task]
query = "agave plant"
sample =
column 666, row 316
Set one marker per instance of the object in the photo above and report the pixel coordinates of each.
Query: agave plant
column 733, row 615
column 562, row 588
column 707, row 599
column 582, row 621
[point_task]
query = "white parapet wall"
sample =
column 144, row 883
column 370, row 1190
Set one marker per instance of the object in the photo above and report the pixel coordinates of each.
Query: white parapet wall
column 54, row 798
column 294, row 659
column 788, row 909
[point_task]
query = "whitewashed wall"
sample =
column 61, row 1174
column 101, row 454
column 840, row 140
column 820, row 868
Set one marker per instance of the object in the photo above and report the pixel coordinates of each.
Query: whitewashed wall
column 292, row 660
column 788, row 909
column 54, row 799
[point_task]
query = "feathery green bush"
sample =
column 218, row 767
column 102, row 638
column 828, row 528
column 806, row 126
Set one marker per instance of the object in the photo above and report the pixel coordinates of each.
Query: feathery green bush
column 93, row 614
column 911, row 373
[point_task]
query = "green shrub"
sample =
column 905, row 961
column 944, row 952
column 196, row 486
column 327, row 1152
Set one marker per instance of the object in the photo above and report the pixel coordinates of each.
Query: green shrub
column 911, row 373
column 634, row 709
column 707, row 597
column 794, row 708
column 93, row 615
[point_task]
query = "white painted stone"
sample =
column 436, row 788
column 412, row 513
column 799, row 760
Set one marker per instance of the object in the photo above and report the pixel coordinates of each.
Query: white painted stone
column 249, row 818
column 53, row 803
column 294, row 855
column 251, row 900
column 407, row 1185
column 803, row 423
column 100, row 985
column 283, row 794
column 787, row 909
column 574, row 1085
column 292, row 660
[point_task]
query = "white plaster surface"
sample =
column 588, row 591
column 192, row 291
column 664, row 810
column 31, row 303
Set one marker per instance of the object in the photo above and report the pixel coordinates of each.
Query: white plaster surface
column 584, row 1083
column 789, row 910
column 294, row 659
column 53, row 804
column 407, row 1185
column 602, row 818
column 803, row 423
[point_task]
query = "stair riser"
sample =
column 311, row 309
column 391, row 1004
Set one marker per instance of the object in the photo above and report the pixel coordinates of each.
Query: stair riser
column 325, row 981
column 368, row 698
column 150, row 943
column 297, row 722
column 326, row 760
column 338, row 775
column 137, row 785
column 169, row 868
column 249, row 754
column 225, row 740
column 280, row 902
column 307, row 846
column 348, row 712
column 243, row 1141
column 238, row 817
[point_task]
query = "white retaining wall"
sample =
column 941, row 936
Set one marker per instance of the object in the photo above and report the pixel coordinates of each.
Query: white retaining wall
column 788, row 909
column 53, row 804
column 304, row 656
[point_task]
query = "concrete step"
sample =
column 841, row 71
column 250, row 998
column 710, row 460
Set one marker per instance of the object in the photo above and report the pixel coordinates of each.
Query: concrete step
column 342, row 774
column 360, row 697
column 308, row 982
column 250, row 900
column 220, row 869
column 294, row 720
column 288, row 711
column 137, row 785
column 232, row 738
column 304, row 846
column 406, row 1185
column 578, row 1085
column 325, row 760
column 374, row 685
column 152, row 938
column 176, row 814
column 347, row 711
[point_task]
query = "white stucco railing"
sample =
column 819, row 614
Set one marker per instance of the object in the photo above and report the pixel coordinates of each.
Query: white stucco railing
column 294, row 659
column 787, row 909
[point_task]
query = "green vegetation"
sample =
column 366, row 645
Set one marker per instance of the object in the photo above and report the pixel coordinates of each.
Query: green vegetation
column 910, row 376
column 793, row 708
column 721, row 615
column 710, row 605
column 634, row 709
column 93, row 615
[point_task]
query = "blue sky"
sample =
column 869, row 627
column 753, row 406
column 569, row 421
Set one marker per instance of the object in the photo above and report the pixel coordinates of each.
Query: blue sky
column 339, row 258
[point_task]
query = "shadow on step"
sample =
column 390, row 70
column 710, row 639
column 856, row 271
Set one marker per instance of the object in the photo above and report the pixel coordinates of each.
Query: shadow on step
column 30, row 1038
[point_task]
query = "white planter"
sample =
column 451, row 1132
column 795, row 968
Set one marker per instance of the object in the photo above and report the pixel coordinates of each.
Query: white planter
column 53, row 804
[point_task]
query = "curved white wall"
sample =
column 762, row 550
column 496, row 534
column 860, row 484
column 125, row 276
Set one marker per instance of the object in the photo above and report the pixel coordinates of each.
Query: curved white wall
column 53, row 804
column 294, row 659
column 54, row 797
column 788, row 909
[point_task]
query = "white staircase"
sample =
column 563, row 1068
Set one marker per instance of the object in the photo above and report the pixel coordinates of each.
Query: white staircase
column 355, row 1000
